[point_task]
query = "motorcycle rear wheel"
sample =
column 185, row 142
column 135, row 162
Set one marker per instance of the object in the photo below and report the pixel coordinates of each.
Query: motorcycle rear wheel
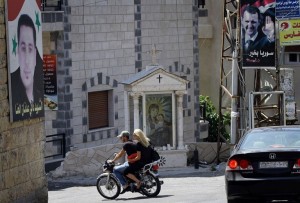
column 108, row 187
column 151, row 185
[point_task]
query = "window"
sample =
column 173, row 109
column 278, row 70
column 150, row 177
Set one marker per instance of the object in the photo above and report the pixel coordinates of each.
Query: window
column 51, row 5
column 292, row 55
column 293, row 58
column 98, row 109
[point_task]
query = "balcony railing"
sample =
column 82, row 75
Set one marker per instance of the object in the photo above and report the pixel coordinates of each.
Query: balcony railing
column 51, row 5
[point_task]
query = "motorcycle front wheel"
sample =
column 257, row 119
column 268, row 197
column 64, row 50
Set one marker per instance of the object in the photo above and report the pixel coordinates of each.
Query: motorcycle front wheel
column 151, row 185
column 108, row 187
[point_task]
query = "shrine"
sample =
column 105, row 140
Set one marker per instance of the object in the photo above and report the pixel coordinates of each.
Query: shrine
column 157, row 97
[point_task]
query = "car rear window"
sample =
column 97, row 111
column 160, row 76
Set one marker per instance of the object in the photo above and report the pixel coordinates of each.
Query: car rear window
column 266, row 139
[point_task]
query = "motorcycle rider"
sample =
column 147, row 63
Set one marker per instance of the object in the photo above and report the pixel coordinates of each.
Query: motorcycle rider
column 130, row 149
column 143, row 156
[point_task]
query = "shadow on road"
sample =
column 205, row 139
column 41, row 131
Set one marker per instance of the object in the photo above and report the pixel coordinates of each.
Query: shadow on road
column 139, row 198
column 56, row 186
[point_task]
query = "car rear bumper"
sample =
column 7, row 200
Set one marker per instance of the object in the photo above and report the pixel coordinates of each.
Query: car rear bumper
column 277, row 188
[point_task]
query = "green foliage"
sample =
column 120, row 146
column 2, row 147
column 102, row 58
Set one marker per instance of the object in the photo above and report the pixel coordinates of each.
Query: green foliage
column 213, row 118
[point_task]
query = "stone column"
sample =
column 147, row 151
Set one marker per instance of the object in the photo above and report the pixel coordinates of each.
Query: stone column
column 126, row 110
column 179, row 95
column 135, row 96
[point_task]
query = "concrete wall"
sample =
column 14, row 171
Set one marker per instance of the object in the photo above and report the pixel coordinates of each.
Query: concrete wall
column 22, row 174
column 210, row 44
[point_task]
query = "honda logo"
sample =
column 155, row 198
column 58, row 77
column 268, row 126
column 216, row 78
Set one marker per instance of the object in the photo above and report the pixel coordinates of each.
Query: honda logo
column 272, row 156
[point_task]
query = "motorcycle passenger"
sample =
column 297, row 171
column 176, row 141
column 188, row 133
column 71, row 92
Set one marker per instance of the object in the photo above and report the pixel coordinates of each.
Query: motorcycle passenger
column 143, row 156
column 130, row 149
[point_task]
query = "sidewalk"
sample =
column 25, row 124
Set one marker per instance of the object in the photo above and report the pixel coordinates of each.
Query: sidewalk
column 189, row 171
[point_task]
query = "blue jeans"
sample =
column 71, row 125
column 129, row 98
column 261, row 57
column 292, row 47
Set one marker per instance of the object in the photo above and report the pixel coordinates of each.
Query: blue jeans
column 119, row 171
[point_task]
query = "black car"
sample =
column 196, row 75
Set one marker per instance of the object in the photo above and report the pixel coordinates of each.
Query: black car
column 265, row 166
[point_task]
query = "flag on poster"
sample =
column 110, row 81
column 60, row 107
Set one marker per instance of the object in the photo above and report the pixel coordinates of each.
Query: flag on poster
column 258, row 33
column 25, row 64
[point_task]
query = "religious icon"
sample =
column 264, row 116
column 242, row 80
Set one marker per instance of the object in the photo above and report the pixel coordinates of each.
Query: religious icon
column 159, row 118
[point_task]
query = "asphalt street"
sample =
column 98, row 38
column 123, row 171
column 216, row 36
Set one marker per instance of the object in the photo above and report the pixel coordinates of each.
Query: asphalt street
column 181, row 185
column 188, row 184
column 183, row 189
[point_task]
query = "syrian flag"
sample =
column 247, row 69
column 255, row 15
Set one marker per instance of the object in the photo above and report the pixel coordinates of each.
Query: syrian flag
column 264, row 5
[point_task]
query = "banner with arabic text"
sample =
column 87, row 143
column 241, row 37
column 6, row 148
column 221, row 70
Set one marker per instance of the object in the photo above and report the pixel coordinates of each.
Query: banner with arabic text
column 50, row 81
column 287, row 9
column 289, row 32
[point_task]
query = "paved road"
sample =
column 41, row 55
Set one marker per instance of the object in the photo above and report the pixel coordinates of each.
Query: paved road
column 181, row 189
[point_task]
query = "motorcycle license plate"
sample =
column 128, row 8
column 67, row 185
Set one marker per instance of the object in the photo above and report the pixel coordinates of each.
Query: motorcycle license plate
column 273, row 164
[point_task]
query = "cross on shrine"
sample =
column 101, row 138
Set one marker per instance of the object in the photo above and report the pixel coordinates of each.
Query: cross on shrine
column 154, row 53
column 159, row 77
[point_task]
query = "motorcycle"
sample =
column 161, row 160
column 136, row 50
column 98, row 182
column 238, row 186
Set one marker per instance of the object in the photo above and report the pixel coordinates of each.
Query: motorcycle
column 109, row 186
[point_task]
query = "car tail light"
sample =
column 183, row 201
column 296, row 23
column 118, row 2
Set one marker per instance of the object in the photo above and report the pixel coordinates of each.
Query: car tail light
column 233, row 164
column 244, row 164
column 239, row 164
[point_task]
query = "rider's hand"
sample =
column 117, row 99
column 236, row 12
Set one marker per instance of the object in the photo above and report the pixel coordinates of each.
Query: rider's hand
column 109, row 161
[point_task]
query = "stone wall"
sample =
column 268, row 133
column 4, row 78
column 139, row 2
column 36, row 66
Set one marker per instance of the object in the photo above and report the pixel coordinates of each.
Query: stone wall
column 22, row 174
column 109, row 41
column 208, row 151
column 86, row 162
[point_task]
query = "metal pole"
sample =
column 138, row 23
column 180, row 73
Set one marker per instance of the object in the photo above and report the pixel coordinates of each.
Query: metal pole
column 220, row 88
column 234, row 109
column 235, row 81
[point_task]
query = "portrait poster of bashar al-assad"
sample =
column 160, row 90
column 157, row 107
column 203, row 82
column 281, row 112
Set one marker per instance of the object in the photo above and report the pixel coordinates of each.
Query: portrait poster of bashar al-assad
column 258, row 33
column 159, row 119
column 25, row 65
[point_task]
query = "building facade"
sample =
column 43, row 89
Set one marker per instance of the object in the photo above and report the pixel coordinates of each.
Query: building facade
column 99, row 45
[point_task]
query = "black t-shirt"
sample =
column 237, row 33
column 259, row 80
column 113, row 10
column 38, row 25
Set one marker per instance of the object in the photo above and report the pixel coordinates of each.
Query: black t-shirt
column 145, row 153
column 130, row 148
